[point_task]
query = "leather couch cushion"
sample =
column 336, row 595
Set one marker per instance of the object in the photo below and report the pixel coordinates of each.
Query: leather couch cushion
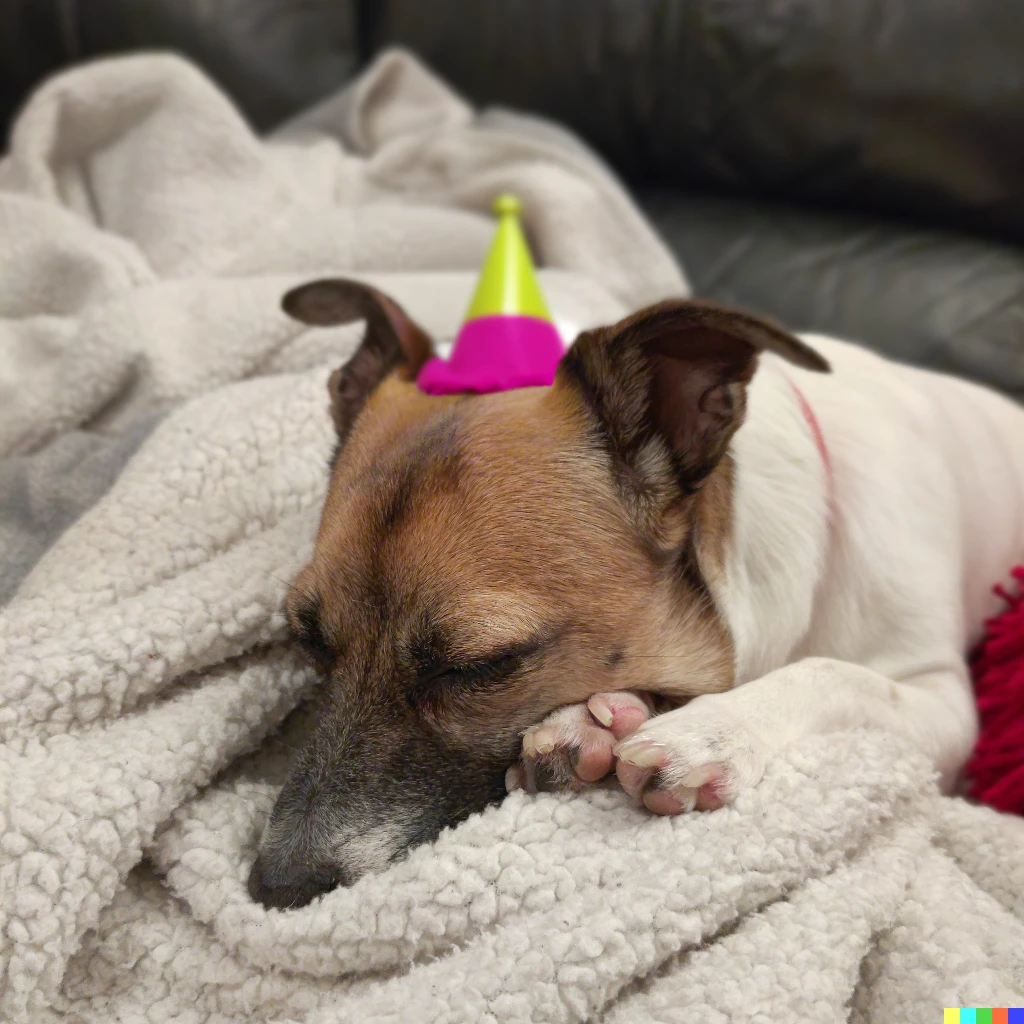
column 898, row 106
column 930, row 298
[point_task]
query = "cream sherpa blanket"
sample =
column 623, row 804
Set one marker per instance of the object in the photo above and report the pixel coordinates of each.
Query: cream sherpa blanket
column 145, row 240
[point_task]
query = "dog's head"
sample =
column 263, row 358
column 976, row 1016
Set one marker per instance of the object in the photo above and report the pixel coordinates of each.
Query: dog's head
column 483, row 560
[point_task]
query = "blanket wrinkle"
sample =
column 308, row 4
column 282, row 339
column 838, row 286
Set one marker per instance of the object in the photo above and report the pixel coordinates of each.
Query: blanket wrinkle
column 148, row 696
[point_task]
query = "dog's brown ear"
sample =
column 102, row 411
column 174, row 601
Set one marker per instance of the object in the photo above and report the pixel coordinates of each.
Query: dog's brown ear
column 667, row 388
column 393, row 342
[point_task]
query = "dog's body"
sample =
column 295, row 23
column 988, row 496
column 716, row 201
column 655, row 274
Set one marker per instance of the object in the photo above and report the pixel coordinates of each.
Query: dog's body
column 857, row 578
column 825, row 567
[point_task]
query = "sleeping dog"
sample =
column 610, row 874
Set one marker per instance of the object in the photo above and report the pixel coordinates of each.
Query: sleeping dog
column 664, row 568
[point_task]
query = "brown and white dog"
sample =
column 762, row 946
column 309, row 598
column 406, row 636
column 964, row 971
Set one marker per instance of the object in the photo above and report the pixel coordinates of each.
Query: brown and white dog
column 501, row 582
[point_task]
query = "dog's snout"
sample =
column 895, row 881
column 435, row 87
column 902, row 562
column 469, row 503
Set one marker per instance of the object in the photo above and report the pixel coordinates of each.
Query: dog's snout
column 291, row 888
column 363, row 790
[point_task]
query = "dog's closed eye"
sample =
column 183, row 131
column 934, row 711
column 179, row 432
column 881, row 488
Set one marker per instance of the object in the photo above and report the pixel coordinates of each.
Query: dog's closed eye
column 439, row 680
column 488, row 671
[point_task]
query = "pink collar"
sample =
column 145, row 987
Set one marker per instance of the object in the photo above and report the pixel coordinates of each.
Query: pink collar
column 819, row 440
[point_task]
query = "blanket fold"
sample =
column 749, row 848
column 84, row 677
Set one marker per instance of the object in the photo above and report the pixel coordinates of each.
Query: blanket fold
column 146, row 238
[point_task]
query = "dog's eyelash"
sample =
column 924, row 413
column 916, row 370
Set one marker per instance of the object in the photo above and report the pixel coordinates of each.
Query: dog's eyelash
column 481, row 671
column 440, row 680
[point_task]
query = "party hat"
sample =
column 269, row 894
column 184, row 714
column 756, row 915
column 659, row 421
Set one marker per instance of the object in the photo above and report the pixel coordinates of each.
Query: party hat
column 507, row 339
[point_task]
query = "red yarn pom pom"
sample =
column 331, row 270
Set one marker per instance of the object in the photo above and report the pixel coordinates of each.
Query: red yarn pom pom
column 996, row 768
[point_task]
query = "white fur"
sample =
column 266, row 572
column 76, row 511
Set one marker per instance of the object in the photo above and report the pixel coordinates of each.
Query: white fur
column 370, row 849
column 852, row 600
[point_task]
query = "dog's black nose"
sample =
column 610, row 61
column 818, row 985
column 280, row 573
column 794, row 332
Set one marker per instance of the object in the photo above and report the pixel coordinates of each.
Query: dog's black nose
column 291, row 888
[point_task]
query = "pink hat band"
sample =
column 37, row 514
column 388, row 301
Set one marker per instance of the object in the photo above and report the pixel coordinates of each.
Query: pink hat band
column 496, row 353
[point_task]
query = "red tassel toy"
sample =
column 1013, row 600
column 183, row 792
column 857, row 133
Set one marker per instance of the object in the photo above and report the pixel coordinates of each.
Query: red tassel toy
column 996, row 768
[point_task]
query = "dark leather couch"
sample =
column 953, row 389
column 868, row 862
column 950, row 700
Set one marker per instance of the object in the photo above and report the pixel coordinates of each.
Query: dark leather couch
column 852, row 166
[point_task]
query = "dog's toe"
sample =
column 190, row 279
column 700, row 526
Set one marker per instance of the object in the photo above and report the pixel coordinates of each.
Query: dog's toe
column 593, row 761
column 664, row 801
column 566, row 751
column 621, row 713
column 640, row 774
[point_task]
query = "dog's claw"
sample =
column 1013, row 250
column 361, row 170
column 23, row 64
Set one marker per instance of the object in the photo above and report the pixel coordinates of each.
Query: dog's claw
column 640, row 753
column 513, row 779
column 544, row 741
column 600, row 709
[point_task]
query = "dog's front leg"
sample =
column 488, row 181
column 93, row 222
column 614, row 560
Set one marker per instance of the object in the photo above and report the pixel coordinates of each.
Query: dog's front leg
column 705, row 753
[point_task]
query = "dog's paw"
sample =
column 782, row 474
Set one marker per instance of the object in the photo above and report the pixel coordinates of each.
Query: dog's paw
column 572, row 747
column 700, row 756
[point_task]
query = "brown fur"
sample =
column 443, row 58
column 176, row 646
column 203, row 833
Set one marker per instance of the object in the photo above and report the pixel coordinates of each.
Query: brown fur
column 484, row 560
column 525, row 544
